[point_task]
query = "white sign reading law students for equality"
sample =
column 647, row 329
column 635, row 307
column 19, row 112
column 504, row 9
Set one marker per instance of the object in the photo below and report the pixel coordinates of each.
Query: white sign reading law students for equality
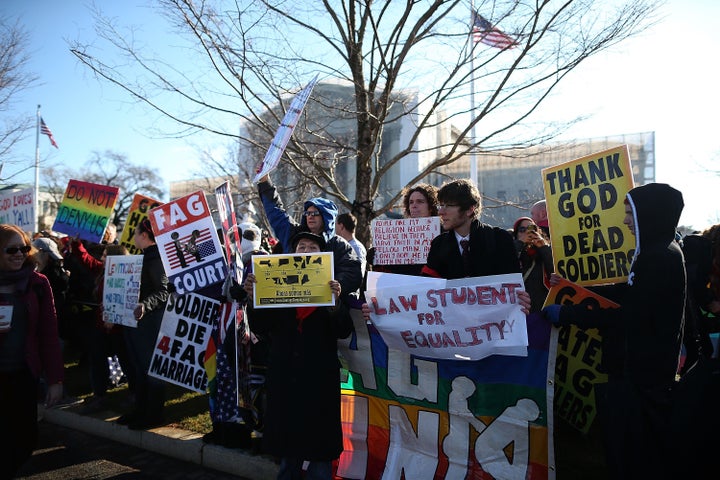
column 463, row 319
column 403, row 241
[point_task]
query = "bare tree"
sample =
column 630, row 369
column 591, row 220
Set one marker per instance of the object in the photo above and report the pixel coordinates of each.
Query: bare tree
column 14, row 78
column 410, row 62
column 110, row 168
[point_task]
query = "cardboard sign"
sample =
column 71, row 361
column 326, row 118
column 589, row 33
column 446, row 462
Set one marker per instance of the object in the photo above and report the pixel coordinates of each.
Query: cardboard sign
column 121, row 289
column 18, row 208
column 404, row 241
column 188, row 243
column 85, row 210
column 585, row 205
column 293, row 280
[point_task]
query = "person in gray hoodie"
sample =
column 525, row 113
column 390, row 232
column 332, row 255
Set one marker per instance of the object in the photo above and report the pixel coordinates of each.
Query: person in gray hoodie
column 319, row 218
column 641, row 339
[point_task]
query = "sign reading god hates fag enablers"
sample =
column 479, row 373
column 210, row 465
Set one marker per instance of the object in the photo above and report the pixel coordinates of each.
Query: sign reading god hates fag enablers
column 403, row 241
column 585, row 204
column 137, row 212
column 85, row 210
column 189, row 246
column 180, row 347
column 463, row 319
column 577, row 366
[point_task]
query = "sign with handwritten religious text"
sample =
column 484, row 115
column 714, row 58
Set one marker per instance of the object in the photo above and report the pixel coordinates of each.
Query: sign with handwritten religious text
column 121, row 288
column 403, row 241
column 18, row 208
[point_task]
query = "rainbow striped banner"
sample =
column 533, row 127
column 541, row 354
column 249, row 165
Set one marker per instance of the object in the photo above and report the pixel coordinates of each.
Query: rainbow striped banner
column 85, row 210
column 447, row 419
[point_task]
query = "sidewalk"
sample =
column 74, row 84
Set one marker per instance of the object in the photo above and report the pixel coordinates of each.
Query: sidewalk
column 169, row 441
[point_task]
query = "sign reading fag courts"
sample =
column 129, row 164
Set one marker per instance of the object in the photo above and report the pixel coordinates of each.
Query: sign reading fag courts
column 577, row 366
column 189, row 246
column 292, row 280
column 585, row 204
column 85, row 210
column 137, row 212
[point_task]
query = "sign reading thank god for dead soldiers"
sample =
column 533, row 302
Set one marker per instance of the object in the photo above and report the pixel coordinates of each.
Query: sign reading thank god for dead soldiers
column 404, row 240
column 585, row 205
column 577, row 365
column 293, row 280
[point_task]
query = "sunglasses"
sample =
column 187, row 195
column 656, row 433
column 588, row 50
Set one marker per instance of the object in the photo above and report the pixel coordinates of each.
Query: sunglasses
column 14, row 250
column 529, row 228
column 312, row 214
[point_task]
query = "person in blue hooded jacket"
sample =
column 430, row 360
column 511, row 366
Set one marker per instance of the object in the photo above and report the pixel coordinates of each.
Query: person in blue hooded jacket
column 319, row 218
column 641, row 340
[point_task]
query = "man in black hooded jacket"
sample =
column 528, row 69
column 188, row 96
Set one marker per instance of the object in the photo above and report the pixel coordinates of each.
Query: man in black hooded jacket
column 642, row 338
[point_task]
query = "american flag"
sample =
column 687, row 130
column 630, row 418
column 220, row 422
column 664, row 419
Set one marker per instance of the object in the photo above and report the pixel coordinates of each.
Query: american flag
column 45, row 130
column 484, row 32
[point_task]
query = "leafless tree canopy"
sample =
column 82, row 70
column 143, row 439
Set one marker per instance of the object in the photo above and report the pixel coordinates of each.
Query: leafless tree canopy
column 410, row 61
column 109, row 168
column 14, row 78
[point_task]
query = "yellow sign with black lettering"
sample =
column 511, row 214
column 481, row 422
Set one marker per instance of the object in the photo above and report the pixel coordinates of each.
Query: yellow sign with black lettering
column 293, row 280
column 585, row 205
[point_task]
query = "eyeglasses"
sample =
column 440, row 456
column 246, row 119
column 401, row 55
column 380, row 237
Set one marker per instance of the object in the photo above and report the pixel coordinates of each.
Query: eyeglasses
column 14, row 250
column 528, row 228
column 447, row 205
column 312, row 214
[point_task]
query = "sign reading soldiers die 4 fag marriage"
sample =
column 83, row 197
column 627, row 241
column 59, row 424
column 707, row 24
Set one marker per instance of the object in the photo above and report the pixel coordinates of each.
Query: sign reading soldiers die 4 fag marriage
column 590, row 244
column 188, row 243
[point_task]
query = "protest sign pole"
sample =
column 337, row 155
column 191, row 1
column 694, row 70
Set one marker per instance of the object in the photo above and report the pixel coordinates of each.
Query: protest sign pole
column 36, row 190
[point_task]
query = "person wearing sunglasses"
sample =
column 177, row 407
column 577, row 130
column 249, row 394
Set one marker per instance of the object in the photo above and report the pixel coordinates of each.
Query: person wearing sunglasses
column 318, row 217
column 536, row 260
column 29, row 348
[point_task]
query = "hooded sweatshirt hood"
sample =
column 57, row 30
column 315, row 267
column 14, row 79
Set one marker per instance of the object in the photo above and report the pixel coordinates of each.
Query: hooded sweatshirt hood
column 329, row 212
column 656, row 210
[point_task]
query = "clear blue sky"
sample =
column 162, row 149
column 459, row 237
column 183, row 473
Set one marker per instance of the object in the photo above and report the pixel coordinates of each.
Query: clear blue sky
column 664, row 81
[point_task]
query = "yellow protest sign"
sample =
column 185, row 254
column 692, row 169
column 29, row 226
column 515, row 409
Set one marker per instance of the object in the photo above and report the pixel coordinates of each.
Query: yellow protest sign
column 578, row 359
column 585, row 205
column 292, row 280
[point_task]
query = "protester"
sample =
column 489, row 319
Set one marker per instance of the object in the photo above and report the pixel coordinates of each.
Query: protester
column 418, row 201
column 467, row 247
column 50, row 263
column 149, row 391
column 345, row 227
column 641, row 339
column 319, row 218
column 110, row 235
column 536, row 260
column 538, row 213
column 29, row 348
column 106, row 339
column 303, row 405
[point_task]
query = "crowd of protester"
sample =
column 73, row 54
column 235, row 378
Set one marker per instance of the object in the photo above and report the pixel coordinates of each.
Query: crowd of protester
column 51, row 290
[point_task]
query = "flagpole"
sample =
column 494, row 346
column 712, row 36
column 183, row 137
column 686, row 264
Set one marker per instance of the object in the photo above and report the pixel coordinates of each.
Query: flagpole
column 473, row 154
column 37, row 172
